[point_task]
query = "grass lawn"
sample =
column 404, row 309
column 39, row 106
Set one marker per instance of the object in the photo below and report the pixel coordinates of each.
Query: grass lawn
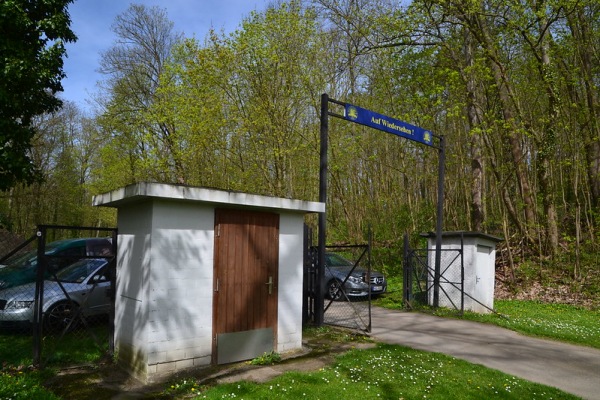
column 385, row 372
column 19, row 385
column 18, row 380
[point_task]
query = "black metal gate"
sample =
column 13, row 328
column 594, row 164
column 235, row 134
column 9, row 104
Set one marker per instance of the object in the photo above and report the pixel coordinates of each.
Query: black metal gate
column 347, row 285
column 419, row 277
column 61, row 293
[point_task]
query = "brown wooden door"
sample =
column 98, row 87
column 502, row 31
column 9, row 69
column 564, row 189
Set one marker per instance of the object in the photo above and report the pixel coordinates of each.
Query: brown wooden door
column 245, row 279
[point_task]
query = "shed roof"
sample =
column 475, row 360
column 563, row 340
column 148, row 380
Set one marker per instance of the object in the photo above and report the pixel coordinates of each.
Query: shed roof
column 142, row 191
column 465, row 234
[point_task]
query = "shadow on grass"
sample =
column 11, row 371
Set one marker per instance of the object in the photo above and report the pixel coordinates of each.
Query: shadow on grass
column 77, row 347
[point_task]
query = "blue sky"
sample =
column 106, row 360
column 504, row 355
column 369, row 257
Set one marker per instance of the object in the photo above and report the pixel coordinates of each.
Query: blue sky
column 91, row 21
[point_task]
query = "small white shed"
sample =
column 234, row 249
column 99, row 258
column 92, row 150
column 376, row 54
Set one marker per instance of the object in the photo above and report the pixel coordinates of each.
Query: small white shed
column 205, row 276
column 476, row 270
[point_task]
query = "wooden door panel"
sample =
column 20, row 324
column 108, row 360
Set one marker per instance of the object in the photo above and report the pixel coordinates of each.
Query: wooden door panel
column 246, row 256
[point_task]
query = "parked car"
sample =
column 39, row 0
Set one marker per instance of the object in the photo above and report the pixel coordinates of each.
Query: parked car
column 86, row 282
column 337, row 268
column 23, row 268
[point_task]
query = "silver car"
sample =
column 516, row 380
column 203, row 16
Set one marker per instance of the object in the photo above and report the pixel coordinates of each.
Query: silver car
column 338, row 270
column 86, row 283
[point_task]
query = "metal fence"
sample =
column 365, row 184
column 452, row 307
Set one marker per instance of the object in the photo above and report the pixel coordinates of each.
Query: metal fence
column 419, row 283
column 349, row 285
column 59, row 293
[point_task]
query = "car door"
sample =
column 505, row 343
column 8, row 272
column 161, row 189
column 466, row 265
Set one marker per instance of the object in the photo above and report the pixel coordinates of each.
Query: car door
column 96, row 295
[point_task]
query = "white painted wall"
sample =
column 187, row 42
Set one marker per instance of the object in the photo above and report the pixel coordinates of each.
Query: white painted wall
column 180, row 285
column 289, row 307
column 133, row 262
column 163, row 310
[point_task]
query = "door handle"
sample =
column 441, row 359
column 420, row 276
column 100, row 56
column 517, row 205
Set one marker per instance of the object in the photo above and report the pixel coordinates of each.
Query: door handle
column 270, row 284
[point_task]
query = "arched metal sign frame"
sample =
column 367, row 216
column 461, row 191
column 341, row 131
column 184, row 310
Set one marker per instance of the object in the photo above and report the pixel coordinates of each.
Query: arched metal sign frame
column 387, row 124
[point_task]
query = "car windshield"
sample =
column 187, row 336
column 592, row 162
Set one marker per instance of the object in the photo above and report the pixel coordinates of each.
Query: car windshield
column 77, row 272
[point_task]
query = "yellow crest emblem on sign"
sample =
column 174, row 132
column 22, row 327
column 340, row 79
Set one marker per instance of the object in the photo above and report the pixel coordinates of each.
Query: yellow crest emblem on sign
column 352, row 113
column 427, row 137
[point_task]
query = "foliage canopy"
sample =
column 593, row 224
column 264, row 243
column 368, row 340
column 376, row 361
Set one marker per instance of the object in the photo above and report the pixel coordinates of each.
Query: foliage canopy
column 32, row 37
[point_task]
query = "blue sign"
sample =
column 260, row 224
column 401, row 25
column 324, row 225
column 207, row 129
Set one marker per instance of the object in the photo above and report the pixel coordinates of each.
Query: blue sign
column 387, row 124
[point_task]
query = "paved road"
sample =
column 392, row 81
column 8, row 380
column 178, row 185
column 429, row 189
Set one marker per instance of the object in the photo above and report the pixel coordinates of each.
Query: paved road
column 573, row 369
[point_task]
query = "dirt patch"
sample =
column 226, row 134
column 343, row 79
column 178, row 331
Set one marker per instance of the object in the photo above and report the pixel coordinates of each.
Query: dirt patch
column 9, row 241
column 563, row 294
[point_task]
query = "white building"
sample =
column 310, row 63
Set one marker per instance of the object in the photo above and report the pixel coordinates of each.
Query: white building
column 205, row 276
column 468, row 281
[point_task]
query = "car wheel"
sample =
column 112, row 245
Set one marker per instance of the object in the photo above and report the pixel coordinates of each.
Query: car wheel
column 334, row 289
column 60, row 315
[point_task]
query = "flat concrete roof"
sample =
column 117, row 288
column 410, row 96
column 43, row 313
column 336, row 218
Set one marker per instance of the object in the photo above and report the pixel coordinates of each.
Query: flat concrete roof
column 465, row 234
column 143, row 191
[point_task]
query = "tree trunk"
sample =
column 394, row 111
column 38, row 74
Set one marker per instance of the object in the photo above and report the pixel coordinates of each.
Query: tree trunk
column 582, row 37
column 476, row 143
column 546, row 142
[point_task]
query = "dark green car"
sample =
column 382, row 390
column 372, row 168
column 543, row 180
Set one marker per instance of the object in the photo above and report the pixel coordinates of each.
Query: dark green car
column 23, row 269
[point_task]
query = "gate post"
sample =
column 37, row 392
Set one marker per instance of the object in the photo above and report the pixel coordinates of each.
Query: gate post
column 439, row 223
column 113, row 293
column 406, row 283
column 319, row 295
column 39, row 296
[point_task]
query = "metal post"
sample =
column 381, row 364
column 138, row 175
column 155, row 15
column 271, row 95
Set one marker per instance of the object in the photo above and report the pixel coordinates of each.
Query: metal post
column 462, row 273
column 406, row 285
column 319, row 289
column 369, row 271
column 113, row 294
column 39, row 296
column 440, row 219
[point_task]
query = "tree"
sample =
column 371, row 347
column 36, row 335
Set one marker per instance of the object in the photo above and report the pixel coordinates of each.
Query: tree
column 583, row 28
column 240, row 106
column 65, row 152
column 32, row 38
column 134, row 66
column 275, row 55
